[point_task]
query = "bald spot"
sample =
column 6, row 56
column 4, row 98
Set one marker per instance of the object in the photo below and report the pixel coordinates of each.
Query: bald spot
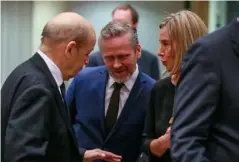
column 68, row 26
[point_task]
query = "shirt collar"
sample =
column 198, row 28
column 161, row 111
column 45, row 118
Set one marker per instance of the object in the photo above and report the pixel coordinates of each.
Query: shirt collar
column 55, row 71
column 129, row 83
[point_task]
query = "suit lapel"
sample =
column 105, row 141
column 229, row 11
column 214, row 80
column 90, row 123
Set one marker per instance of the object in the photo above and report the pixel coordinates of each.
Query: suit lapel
column 63, row 109
column 101, row 84
column 130, row 105
column 234, row 33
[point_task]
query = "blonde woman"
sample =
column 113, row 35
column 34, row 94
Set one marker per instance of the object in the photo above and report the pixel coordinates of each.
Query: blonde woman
column 177, row 32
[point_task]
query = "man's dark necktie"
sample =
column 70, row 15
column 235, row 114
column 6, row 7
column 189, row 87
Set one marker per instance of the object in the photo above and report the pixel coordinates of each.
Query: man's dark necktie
column 113, row 108
column 63, row 91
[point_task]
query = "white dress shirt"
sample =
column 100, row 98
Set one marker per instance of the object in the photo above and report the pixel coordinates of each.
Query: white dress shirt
column 55, row 71
column 124, row 92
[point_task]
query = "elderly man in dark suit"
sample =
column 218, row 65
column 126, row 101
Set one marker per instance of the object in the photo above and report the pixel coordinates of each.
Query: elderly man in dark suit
column 35, row 121
column 205, row 126
column 148, row 62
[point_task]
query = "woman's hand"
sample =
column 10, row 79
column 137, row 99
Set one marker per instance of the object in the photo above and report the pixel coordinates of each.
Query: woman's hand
column 160, row 145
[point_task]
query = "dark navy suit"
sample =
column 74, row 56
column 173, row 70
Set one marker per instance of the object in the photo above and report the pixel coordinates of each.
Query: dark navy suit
column 86, row 100
column 206, row 124
column 148, row 63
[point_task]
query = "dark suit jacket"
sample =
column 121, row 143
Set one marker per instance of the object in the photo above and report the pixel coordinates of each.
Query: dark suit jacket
column 148, row 63
column 35, row 126
column 206, row 126
column 86, row 95
column 158, row 116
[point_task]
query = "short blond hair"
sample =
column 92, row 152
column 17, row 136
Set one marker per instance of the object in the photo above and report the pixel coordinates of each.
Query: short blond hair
column 183, row 27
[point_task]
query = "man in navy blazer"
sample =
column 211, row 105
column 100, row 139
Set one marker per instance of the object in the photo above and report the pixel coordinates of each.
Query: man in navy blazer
column 108, row 103
column 148, row 62
column 206, row 123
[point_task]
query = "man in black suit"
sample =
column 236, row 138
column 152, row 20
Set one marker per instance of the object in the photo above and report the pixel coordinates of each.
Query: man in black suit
column 205, row 126
column 35, row 121
column 148, row 63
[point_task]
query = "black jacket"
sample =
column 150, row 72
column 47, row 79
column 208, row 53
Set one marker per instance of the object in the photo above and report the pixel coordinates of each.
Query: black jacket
column 35, row 126
column 158, row 116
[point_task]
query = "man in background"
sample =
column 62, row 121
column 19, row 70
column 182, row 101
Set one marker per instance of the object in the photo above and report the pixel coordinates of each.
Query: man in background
column 108, row 103
column 148, row 63
column 205, row 126
column 34, row 117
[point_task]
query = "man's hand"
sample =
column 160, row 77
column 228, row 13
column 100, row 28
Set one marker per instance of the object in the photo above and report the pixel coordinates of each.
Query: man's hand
column 97, row 154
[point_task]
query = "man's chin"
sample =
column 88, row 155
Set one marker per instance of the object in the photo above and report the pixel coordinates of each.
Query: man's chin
column 121, row 79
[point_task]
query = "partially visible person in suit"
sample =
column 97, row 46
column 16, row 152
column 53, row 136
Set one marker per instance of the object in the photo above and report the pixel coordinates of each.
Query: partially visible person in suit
column 205, row 127
column 109, row 103
column 177, row 32
column 148, row 62
column 35, row 122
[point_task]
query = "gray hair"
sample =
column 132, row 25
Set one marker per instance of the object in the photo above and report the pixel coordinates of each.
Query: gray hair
column 118, row 28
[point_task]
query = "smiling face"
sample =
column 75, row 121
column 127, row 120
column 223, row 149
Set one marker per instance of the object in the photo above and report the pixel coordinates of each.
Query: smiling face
column 120, row 57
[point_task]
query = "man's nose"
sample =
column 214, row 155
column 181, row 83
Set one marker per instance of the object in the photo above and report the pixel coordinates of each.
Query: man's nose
column 116, row 63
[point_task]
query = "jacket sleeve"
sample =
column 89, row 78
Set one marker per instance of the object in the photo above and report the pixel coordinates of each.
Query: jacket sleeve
column 196, row 100
column 27, row 129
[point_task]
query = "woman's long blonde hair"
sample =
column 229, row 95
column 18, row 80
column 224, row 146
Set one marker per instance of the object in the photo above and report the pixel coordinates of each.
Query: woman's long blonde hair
column 183, row 27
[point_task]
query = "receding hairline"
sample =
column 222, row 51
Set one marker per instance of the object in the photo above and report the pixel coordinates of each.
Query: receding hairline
column 67, row 27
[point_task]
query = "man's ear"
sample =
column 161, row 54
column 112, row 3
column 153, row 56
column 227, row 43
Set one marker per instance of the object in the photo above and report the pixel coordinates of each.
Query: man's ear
column 70, row 47
column 138, row 51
